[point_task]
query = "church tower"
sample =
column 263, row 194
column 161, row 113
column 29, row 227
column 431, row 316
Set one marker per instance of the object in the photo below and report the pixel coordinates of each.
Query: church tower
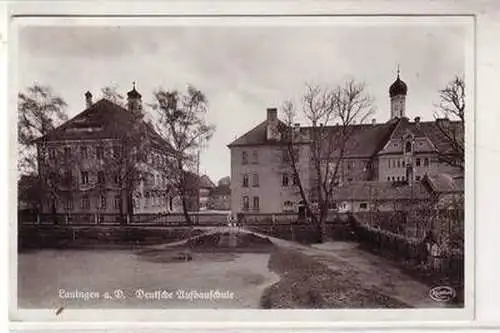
column 397, row 92
column 134, row 101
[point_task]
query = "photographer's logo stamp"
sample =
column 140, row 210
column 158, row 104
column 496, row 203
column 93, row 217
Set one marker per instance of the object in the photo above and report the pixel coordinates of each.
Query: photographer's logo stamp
column 442, row 294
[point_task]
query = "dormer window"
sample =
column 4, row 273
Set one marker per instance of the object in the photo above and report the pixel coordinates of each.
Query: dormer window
column 408, row 147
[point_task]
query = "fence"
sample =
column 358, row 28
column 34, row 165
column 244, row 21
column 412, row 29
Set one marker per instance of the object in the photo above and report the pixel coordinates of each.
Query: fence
column 445, row 264
column 175, row 219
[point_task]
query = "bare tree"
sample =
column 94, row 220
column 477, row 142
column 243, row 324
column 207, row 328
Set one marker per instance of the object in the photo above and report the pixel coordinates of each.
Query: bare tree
column 182, row 123
column 111, row 94
column 452, row 105
column 322, row 106
column 39, row 110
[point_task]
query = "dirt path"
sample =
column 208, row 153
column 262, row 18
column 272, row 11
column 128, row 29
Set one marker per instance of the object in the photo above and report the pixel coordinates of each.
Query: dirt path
column 367, row 269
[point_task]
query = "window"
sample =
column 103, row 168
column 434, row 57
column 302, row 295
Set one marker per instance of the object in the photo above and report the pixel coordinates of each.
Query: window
column 100, row 177
column 284, row 180
column 403, row 163
column 285, row 156
column 363, row 205
column 52, row 153
column 417, row 162
column 102, row 202
column 84, row 152
column 255, row 157
column 399, row 163
column 69, row 204
column 246, row 204
column 408, row 147
column 295, row 180
column 99, row 153
column 417, row 177
column 118, row 201
column 244, row 157
column 332, row 205
column 245, row 180
column 256, row 203
column 116, row 152
column 389, row 164
column 67, row 153
column 348, row 165
column 388, row 178
column 255, row 180
column 84, row 175
column 85, row 202
column 116, row 178
column 426, row 162
column 398, row 179
column 392, row 178
column 67, row 177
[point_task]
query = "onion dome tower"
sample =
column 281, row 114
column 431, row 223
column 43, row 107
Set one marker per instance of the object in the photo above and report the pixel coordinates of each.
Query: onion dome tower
column 397, row 93
column 134, row 100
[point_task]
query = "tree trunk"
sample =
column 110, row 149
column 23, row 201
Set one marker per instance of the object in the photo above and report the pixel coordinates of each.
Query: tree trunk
column 54, row 212
column 120, row 208
column 185, row 210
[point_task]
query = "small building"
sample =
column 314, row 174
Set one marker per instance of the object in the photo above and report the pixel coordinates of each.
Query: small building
column 380, row 196
column 220, row 198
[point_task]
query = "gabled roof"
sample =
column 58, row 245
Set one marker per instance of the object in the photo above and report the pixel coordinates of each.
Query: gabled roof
column 193, row 180
column 428, row 135
column 373, row 190
column 445, row 183
column 206, row 182
column 221, row 190
column 257, row 136
column 103, row 120
column 365, row 139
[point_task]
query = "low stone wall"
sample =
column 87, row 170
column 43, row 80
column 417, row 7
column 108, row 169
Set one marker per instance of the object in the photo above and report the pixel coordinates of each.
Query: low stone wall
column 304, row 232
column 36, row 236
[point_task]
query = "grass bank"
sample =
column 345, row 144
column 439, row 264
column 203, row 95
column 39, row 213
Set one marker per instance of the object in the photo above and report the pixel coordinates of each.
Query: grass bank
column 308, row 284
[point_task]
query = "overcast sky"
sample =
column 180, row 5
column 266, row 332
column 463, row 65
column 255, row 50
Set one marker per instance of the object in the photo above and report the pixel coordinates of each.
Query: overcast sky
column 242, row 70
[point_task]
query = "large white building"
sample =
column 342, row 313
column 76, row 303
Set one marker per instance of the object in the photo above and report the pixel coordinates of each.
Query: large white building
column 106, row 159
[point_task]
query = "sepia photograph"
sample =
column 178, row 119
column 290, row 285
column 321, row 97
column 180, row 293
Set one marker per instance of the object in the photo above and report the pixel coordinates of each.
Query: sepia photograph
column 243, row 163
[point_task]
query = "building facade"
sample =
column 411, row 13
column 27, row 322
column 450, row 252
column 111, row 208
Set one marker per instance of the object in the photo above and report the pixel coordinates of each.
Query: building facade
column 106, row 159
column 397, row 151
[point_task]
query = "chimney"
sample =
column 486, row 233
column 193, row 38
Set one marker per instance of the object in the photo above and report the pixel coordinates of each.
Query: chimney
column 296, row 128
column 374, row 121
column 272, row 131
column 272, row 114
column 88, row 99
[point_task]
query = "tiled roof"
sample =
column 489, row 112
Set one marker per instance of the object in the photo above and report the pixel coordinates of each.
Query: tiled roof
column 103, row 120
column 221, row 190
column 206, row 182
column 256, row 136
column 370, row 190
column 445, row 183
column 365, row 139
column 428, row 133
column 192, row 180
